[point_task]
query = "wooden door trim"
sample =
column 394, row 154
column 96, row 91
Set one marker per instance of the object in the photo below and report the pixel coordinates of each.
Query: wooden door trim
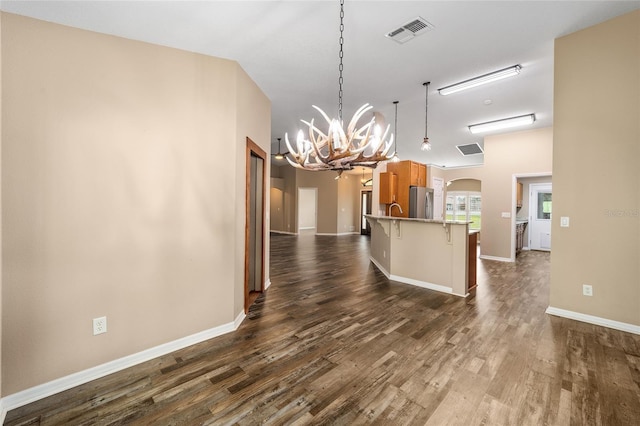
column 253, row 148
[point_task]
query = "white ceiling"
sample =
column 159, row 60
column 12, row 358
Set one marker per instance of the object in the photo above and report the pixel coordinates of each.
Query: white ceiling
column 290, row 49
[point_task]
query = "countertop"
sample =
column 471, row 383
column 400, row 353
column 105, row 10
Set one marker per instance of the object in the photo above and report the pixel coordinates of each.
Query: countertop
column 414, row 219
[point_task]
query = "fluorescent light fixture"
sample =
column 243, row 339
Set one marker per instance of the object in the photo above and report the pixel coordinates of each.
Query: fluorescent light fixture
column 483, row 79
column 506, row 123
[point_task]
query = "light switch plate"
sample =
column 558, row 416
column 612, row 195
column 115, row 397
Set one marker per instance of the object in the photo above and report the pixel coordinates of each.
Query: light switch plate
column 564, row 221
column 506, row 215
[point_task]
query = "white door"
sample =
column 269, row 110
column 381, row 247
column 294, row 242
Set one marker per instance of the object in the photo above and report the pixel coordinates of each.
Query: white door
column 307, row 208
column 540, row 216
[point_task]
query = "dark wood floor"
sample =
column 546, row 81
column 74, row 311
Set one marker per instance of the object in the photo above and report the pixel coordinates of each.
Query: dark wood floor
column 334, row 342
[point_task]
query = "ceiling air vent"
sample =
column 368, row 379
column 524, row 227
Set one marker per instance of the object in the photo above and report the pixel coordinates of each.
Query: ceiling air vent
column 410, row 30
column 471, row 149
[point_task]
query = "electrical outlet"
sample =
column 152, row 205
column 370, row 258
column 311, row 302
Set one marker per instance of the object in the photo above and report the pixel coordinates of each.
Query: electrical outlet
column 99, row 325
column 384, row 253
column 587, row 290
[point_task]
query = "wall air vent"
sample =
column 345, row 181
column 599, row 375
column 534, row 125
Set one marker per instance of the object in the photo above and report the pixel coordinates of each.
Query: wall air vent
column 470, row 149
column 411, row 29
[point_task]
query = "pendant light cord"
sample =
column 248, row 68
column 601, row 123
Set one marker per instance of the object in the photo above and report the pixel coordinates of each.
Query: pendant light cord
column 395, row 130
column 426, row 109
column 341, row 67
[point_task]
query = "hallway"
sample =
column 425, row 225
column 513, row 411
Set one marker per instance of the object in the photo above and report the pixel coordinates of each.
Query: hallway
column 334, row 342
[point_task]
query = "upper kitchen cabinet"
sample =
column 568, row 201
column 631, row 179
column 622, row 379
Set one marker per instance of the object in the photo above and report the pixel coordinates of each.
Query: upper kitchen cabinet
column 519, row 190
column 388, row 187
column 409, row 173
column 422, row 175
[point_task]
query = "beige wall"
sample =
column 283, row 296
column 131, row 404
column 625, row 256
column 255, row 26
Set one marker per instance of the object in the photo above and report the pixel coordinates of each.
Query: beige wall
column 253, row 120
column 471, row 185
column 596, row 152
column 349, row 203
column 380, row 245
column 505, row 156
column 327, row 222
column 290, row 193
column 519, row 153
column 1, row 244
column 276, row 209
column 115, row 196
column 338, row 200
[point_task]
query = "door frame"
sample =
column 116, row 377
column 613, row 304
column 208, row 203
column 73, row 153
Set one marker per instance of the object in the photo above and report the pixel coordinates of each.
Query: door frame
column 514, row 188
column 535, row 188
column 253, row 149
column 362, row 213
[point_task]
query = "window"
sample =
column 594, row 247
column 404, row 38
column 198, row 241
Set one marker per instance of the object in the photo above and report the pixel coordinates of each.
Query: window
column 465, row 206
column 544, row 205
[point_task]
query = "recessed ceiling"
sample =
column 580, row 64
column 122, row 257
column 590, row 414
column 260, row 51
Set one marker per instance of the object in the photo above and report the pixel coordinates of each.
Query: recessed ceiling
column 290, row 49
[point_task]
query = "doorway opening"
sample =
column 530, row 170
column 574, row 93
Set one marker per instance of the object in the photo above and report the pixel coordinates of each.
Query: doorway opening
column 527, row 233
column 307, row 210
column 540, row 200
column 254, row 224
column 365, row 208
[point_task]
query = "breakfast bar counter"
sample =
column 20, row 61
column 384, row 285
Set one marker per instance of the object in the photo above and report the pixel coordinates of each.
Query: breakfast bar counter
column 428, row 253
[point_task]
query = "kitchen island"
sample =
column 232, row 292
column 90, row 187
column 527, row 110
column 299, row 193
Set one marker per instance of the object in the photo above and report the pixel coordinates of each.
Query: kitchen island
column 428, row 253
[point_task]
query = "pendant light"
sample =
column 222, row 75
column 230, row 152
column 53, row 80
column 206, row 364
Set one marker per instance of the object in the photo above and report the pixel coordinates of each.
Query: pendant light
column 340, row 148
column 395, row 157
column 279, row 155
column 426, row 145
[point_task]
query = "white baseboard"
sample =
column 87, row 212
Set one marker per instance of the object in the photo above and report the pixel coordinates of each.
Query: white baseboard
column 411, row 281
column 3, row 412
column 379, row 266
column 338, row 234
column 423, row 284
column 53, row 387
column 499, row 259
column 236, row 323
column 590, row 319
column 283, row 232
column 267, row 284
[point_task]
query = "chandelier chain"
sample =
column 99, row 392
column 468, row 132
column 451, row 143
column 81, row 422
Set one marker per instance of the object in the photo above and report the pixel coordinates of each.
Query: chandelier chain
column 341, row 55
column 341, row 149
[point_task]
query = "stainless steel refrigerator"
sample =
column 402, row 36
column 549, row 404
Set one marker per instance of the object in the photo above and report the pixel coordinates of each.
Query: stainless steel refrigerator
column 421, row 202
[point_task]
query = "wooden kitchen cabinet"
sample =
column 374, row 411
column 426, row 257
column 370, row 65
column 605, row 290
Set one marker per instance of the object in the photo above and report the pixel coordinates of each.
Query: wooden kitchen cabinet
column 472, row 267
column 519, row 194
column 414, row 172
column 409, row 173
column 422, row 175
column 388, row 188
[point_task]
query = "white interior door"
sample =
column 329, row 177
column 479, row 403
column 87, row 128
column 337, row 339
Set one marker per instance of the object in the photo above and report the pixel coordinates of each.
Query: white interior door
column 307, row 208
column 540, row 216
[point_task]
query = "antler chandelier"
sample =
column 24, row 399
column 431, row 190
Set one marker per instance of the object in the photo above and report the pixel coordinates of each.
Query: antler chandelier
column 339, row 149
